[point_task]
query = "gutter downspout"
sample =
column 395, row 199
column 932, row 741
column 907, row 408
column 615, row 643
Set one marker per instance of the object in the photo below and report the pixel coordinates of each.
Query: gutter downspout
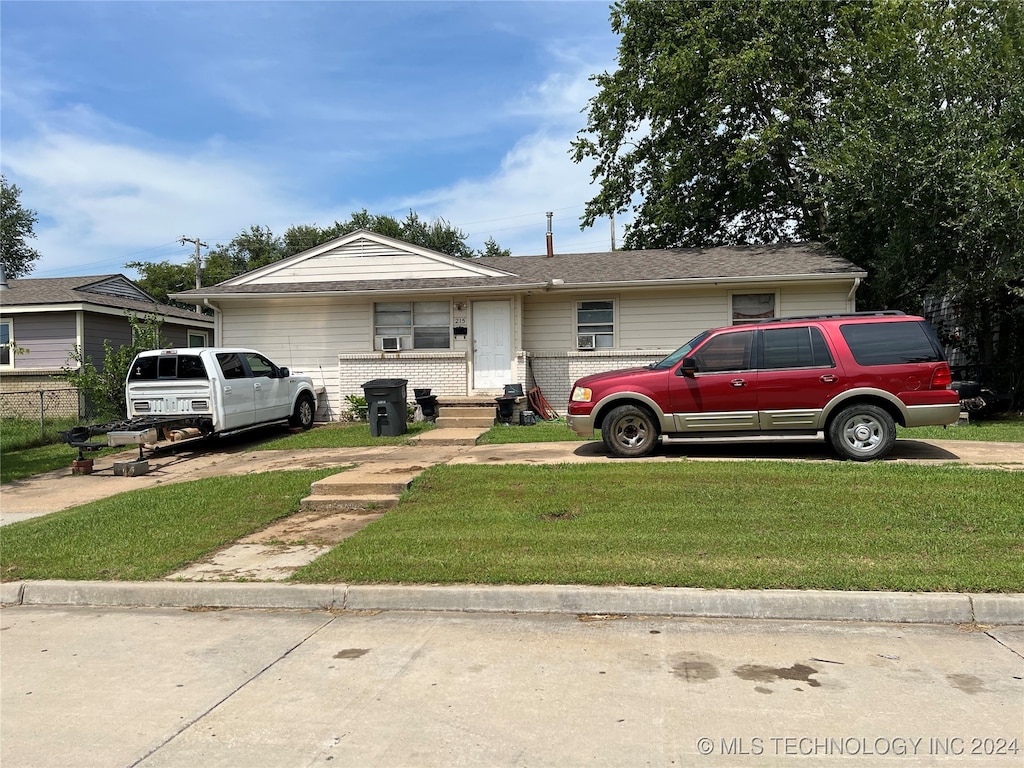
column 218, row 331
column 851, row 298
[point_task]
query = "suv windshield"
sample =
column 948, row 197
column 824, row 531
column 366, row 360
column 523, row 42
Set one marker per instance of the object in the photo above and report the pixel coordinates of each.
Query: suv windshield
column 680, row 353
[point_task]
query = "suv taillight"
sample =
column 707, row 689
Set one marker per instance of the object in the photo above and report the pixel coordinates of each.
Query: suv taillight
column 942, row 377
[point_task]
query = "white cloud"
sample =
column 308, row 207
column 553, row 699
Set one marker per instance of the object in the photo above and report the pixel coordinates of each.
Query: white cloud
column 100, row 201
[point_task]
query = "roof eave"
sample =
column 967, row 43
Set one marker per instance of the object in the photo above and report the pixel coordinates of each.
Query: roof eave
column 447, row 290
column 680, row 281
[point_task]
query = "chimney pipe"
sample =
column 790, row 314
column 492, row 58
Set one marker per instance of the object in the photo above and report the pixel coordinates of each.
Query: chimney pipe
column 3, row 278
column 551, row 237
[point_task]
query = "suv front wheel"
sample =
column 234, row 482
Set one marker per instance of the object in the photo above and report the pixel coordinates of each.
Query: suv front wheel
column 862, row 432
column 629, row 431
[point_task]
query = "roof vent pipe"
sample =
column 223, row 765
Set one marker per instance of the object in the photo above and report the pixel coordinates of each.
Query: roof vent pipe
column 3, row 278
column 551, row 240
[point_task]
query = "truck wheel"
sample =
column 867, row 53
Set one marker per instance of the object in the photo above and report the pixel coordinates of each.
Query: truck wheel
column 862, row 432
column 629, row 431
column 305, row 409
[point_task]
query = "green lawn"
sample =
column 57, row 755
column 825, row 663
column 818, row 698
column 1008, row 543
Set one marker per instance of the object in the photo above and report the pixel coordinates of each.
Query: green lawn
column 147, row 534
column 701, row 524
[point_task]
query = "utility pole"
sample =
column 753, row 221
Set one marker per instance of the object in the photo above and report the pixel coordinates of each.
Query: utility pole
column 198, row 260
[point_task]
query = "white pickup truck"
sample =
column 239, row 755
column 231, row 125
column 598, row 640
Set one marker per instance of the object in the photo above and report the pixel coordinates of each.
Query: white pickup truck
column 216, row 390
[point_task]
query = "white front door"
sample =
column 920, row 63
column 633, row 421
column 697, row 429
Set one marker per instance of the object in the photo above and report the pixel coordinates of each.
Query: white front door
column 492, row 345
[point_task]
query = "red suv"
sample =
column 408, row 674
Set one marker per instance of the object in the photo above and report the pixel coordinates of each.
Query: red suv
column 852, row 376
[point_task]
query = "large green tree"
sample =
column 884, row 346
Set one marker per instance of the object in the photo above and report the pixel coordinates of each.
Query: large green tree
column 894, row 131
column 17, row 224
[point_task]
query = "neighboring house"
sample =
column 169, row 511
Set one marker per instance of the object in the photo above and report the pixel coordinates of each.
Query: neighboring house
column 43, row 320
column 364, row 306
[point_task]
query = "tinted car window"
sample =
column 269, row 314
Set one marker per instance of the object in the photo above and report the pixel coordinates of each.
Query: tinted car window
column 890, row 343
column 144, row 369
column 728, row 352
column 191, row 367
column 231, row 365
column 260, row 366
column 795, row 348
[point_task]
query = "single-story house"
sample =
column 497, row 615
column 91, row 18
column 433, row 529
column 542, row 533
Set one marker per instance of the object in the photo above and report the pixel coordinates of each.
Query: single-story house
column 364, row 306
column 42, row 320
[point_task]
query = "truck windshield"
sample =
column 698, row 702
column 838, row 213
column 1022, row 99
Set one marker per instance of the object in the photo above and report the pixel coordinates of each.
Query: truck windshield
column 680, row 353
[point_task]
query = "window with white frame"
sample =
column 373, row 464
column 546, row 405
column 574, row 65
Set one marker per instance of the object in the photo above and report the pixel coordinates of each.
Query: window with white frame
column 401, row 325
column 6, row 344
column 595, row 324
column 198, row 339
column 752, row 307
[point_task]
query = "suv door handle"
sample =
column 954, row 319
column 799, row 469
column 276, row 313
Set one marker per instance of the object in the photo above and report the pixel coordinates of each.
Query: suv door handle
column 828, row 378
column 738, row 383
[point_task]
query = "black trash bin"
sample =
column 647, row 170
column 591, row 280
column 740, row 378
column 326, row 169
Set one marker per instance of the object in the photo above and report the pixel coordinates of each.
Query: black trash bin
column 385, row 407
column 427, row 403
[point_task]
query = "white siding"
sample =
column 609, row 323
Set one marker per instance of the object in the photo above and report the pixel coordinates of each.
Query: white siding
column 798, row 300
column 548, row 322
column 305, row 335
column 365, row 260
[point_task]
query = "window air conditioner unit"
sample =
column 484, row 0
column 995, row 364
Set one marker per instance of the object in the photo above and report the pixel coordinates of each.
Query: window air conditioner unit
column 390, row 343
column 585, row 341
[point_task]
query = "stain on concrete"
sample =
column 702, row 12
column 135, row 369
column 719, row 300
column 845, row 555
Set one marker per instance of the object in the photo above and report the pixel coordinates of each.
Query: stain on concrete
column 351, row 653
column 694, row 670
column 969, row 684
column 759, row 673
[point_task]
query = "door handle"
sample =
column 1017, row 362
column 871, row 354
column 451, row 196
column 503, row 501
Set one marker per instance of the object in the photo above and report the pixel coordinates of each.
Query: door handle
column 256, row 385
column 227, row 389
column 738, row 383
column 828, row 378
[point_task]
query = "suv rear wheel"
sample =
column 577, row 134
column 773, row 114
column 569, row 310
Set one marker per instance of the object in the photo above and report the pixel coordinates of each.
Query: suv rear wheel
column 629, row 431
column 862, row 432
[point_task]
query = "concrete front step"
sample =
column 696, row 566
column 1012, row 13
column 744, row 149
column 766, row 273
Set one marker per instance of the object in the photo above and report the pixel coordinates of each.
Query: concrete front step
column 450, row 436
column 348, row 502
column 465, row 422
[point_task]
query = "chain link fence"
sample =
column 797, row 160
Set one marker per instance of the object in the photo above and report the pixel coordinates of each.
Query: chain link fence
column 33, row 417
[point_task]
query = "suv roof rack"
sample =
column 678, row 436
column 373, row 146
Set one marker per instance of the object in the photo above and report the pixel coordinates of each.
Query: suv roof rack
column 874, row 313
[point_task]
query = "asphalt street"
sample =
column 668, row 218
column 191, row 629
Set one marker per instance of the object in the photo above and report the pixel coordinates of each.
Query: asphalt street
column 170, row 687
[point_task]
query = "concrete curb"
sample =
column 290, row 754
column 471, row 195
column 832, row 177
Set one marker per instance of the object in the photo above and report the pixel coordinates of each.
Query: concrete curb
column 811, row 605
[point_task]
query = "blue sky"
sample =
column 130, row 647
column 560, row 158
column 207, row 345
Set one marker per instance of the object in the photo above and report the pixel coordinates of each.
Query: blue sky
column 128, row 125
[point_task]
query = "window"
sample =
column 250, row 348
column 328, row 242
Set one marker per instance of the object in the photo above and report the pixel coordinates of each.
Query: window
column 416, row 324
column 260, row 366
column 153, row 367
column 6, row 344
column 198, row 339
column 231, row 365
column 891, row 343
column 595, row 321
column 795, row 348
column 727, row 352
column 752, row 307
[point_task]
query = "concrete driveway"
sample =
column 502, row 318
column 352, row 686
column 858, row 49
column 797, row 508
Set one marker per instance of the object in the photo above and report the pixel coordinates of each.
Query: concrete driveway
column 59, row 489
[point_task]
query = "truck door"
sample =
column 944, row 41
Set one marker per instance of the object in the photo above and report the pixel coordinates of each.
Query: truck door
column 237, row 392
column 272, row 392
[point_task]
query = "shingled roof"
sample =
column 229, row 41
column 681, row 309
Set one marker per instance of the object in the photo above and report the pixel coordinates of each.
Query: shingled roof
column 604, row 269
column 115, row 291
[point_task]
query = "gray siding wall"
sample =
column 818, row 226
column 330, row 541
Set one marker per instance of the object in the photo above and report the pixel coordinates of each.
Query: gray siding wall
column 49, row 339
column 100, row 328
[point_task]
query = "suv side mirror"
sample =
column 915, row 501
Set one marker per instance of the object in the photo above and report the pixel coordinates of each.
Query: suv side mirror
column 688, row 367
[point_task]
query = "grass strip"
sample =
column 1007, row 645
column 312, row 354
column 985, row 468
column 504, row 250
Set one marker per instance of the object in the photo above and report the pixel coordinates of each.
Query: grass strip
column 147, row 534
column 352, row 435
column 750, row 525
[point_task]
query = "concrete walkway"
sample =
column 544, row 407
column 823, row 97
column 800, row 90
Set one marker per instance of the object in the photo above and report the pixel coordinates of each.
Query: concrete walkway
column 372, row 482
